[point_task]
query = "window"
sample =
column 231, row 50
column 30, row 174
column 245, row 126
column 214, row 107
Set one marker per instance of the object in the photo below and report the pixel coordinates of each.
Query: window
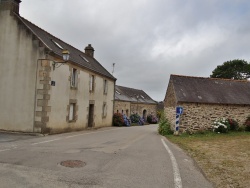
column 74, row 77
column 91, row 83
column 104, row 110
column 57, row 44
column 72, row 112
column 72, row 109
column 105, row 87
column 84, row 58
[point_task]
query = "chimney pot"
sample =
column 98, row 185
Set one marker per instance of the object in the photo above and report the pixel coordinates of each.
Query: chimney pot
column 89, row 50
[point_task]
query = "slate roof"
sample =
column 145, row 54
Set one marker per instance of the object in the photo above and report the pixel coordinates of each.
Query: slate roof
column 132, row 95
column 75, row 54
column 211, row 90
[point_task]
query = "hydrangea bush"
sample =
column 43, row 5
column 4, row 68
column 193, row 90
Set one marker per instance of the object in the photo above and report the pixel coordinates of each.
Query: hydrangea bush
column 224, row 125
column 135, row 118
column 152, row 119
column 221, row 126
column 118, row 119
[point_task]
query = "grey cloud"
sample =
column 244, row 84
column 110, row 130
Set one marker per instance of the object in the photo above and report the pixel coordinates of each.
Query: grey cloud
column 149, row 40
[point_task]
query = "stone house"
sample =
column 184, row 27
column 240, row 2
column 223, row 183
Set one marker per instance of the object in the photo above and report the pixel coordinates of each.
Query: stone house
column 205, row 100
column 41, row 94
column 131, row 101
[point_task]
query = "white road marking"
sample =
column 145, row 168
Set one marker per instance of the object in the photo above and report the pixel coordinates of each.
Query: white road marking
column 56, row 139
column 88, row 133
column 46, row 141
column 8, row 149
column 5, row 149
column 177, row 176
column 43, row 142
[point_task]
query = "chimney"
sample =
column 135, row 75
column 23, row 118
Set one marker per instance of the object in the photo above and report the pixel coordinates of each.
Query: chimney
column 12, row 5
column 89, row 50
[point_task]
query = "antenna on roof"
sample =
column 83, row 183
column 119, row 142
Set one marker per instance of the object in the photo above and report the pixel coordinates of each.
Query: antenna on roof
column 113, row 69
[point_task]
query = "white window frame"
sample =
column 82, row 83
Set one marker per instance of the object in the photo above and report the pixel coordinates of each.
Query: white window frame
column 105, row 86
column 91, row 83
column 73, row 81
column 72, row 111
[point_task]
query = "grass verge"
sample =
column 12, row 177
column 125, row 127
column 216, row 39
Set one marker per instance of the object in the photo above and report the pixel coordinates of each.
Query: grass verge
column 224, row 158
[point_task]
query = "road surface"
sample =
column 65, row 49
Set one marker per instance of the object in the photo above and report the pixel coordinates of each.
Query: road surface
column 113, row 157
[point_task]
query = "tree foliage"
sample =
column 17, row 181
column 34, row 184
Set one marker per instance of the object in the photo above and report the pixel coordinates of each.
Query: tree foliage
column 234, row 69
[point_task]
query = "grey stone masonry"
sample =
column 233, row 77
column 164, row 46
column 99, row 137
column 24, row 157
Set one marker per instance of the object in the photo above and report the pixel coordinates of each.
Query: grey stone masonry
column 43, row 97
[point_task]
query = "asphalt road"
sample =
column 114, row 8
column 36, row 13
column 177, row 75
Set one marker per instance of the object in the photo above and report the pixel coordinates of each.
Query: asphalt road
column 111, row 157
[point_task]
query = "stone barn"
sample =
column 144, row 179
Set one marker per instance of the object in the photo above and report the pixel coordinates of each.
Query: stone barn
column 131, row 101
column 205, row 100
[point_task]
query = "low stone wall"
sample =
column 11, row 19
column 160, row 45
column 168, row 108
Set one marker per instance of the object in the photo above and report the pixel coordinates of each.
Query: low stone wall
column 201, row 116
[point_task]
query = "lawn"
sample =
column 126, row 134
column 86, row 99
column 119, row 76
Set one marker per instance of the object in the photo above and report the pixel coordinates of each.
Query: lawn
column 224, row 158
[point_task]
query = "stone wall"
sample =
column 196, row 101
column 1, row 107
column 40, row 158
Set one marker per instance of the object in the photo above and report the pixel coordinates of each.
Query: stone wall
column 133, row 108
column 122, row 107
column 201, row 116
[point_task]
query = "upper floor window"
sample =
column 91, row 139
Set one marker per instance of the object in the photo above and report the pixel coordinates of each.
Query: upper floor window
column 105, row 86
column 92, row 83
column 73, row 82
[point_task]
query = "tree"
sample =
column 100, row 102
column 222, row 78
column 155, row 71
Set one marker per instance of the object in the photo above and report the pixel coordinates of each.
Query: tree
column 236, row 69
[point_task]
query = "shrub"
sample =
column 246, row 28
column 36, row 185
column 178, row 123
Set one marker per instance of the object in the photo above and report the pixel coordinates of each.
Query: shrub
column 221, row 126
column 164, row 127
column 247, row 124
column 234, row 126
column 152, row 119
column 158, row 113
column 118, row 120
column 136, row 119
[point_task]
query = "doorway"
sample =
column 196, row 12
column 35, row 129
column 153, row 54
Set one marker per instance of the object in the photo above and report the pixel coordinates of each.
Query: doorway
column 91, row 115
column 145, row 115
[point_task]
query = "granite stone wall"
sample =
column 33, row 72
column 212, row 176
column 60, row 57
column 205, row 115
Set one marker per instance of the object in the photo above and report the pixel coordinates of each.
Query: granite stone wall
column 133, row 108
column 201, row 116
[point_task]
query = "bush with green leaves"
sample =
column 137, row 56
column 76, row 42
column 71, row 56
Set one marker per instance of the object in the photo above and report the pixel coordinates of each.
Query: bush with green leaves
column 152, row 119
column 118, row 120
column 135, row 118
column 164, row 127
column 233, row 124
column 221, row 126
column 247, row 124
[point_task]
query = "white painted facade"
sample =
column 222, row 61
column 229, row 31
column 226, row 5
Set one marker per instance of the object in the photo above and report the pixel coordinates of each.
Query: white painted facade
column 28, row 101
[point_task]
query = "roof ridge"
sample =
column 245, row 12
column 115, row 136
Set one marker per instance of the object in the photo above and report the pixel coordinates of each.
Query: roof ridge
column 198, row 77
column 33, row 27
column 130, row 88
column 52, row 35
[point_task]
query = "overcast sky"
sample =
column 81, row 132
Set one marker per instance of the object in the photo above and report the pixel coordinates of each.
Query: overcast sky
column 149, row 39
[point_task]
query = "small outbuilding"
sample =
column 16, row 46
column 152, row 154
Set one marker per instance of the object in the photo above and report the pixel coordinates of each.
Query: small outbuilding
column 205, row 100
